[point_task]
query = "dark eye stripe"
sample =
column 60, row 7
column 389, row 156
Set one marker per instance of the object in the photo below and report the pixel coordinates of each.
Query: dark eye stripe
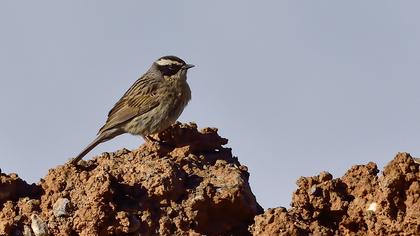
column 170, row 69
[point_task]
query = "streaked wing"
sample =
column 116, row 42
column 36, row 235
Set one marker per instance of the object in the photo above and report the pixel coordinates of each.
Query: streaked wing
column 139, row 99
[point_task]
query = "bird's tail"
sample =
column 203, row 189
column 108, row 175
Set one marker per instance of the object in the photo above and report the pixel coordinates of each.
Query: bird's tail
column 102, row 137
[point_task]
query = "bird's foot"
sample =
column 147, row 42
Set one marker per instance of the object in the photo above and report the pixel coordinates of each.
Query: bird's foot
column 74, row 161
column 150, row 139
column 159, row 143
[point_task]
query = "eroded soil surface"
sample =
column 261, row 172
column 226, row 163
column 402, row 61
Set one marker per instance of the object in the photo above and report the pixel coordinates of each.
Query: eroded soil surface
column 362, row 202
column 190, row 184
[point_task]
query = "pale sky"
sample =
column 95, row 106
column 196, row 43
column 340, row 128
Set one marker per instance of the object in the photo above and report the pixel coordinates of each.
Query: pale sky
column 298, row 87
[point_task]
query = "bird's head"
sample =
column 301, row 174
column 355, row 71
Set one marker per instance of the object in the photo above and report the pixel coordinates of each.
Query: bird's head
column 172, row 67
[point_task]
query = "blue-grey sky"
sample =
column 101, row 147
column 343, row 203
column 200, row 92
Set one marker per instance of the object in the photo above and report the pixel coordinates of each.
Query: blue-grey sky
column 298, row 87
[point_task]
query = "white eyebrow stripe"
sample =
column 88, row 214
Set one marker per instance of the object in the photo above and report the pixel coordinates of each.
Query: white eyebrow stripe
column 165, row 62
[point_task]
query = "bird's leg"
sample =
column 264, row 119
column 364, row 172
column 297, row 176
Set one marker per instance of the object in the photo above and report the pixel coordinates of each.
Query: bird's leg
column 149, row 138
column 159, row 143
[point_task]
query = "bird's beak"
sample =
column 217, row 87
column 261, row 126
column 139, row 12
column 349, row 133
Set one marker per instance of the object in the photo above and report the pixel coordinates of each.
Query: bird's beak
column 188, row 66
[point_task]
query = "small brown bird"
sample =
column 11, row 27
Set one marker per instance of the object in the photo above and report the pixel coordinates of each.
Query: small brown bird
column 150, row 105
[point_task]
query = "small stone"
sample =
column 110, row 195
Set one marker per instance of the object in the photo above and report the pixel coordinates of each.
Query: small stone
column 372, row 207
column 39, row 227
column 61, row 207
column 27, row 231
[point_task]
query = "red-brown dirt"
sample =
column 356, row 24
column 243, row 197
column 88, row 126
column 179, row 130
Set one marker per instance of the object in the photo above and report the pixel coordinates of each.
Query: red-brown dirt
column 359, row 203
column 190, row 184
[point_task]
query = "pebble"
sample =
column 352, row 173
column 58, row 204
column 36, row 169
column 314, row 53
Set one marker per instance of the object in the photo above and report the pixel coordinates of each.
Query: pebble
column 372, row 207
column 27, row 231
column 61, row 207
column 39, row 227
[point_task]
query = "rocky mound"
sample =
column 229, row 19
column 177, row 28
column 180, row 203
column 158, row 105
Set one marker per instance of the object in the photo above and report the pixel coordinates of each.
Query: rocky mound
column 190, row 184
column 359, row 203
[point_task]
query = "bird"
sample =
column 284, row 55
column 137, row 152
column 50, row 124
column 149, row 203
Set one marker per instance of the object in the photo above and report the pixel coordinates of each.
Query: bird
column 152, row 104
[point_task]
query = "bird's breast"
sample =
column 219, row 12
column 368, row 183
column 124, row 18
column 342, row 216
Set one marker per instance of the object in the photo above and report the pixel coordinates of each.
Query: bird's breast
column 172, row 102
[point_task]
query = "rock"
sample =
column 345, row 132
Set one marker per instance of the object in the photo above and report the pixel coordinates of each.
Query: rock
column 39, row 227
column 359, row 203
column 61, row 207
column 27, row 231
column 189, row 184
